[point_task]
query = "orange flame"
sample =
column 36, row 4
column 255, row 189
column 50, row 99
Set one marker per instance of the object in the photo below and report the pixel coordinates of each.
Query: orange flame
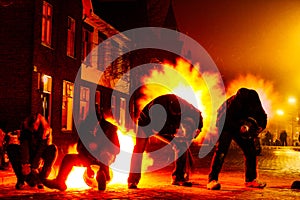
column 121, row 166
column 264, row 88
column 181, row 79
column 75, row 178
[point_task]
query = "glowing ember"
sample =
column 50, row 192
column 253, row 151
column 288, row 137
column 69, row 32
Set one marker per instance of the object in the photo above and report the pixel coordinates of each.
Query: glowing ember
column 268, row 96
column 170, row 78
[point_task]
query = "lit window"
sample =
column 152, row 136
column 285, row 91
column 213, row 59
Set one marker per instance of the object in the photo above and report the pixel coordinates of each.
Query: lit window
column 47, row 23
column 84, row 102
column 113, row 105
column 67, row 105
column 122, row 112
column 47, row 83
column 71, row 37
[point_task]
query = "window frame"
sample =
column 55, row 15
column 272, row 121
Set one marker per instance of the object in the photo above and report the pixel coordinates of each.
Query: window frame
column 47, row 22
column 68, row 93
column 71, row 37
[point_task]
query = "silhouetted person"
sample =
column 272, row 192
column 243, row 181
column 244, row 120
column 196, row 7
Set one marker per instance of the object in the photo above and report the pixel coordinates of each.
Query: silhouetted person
column 268, row 138
column 244, row 118
column 183, row 123
column 32, row 159
column 96, row 145
column 283, row 138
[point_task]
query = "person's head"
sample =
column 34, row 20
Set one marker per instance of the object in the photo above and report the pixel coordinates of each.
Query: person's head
column 248, row 98
column 34, row 122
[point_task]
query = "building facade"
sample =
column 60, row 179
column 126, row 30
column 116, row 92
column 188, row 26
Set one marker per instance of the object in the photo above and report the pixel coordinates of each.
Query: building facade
column 44, row 46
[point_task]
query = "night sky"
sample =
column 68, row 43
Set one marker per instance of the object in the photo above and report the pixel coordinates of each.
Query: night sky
column 248, row 36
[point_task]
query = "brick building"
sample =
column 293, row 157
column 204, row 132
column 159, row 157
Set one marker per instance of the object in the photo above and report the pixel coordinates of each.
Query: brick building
column 43, row 45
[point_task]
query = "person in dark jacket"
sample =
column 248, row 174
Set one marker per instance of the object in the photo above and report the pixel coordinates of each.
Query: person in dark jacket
column 182, row 124
column 283, row 138
column 106, row 153
column 244, row 118
column 33, row 159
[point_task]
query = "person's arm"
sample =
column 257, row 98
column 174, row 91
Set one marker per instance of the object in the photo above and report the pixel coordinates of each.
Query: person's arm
column 38, row 155
column 47, row 135
column 24, row 150
column 44, row 141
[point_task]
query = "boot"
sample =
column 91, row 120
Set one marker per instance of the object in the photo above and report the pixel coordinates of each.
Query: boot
column 55, row 184
column 19, row 185
column 101, row 179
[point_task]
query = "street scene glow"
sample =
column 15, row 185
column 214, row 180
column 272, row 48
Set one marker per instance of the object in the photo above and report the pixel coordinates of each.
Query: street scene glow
column 169, row 78
column 62, row 59
column 75, row 178
column 121, row 166
column 265, row 89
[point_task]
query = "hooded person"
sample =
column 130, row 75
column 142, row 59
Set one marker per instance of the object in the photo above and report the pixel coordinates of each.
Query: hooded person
column 182, row 123
column 244, row 118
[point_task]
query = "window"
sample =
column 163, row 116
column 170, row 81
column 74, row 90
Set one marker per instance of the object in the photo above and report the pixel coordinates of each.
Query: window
column 67, row 105
column 84, row 102
column 47, row 23
column 47, row 83
column 86, row 46
column 46, row 96
column 101, row 52
column 122, row 112
column 98, row 101
column 113, row 106
column 71, row 37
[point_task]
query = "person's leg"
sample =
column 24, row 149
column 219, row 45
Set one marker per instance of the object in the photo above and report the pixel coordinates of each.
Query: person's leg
column 49, row 156
column 13, row 152
column 103, row 175
column 183, row 157
column 136, row 162
column 220, row 153
column 250, row 154
column 248, row 148
column 65, row 168
column 219, row 156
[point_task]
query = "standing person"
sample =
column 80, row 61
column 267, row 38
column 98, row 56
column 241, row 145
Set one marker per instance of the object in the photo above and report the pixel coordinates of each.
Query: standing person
column 3, row 159
column 33, row 159
column 182, row 125
column 244, row 118
column 107, row 152
column 283, row 138
column 268, row 138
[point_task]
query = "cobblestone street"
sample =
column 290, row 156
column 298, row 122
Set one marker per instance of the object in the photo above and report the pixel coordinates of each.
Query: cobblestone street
column 278, row 166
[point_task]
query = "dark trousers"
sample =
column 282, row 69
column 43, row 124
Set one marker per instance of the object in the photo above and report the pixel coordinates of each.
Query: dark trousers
column 48, row 156
column 182, row 165
column 248, row 148
column 283, row 142
column 71, row 160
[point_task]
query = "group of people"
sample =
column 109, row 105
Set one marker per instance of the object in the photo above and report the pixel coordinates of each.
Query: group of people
column 32, row 153
column 240, row 118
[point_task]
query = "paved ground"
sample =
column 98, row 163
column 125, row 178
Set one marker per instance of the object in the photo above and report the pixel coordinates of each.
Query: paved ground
column 278, row 166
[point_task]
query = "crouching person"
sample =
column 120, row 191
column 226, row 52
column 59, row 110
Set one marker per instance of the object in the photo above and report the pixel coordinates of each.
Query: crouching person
column 33, row 156
column 183, row 123
column 244, row 118
column 94, row 145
